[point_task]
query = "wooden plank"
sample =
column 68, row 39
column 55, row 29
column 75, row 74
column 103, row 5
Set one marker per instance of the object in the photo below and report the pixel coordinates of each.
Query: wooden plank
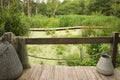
column 66, row 28
column 68, row 73
column 103, row 77
column 65, row 75
column 90, row 74
column 48, row 73
column 117, row 74
column 59, row 73
column 36, row 73
column 73, row 73
column 81, row 75
column 39, row 72
column 44, row 72
column 91, row 40
column 26, row 73
column 87, row 74
column 98, row 76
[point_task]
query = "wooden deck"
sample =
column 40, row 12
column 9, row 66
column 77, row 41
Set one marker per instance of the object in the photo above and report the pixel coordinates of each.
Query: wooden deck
column 43, row 72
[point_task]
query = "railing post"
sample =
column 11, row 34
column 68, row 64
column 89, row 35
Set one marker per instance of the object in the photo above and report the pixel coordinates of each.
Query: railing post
column 114, row 47
column 8, row 36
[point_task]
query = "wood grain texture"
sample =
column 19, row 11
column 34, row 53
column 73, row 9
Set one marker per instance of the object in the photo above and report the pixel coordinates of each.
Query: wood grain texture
column 90, row 40
column 45, row 72
column 114, row 48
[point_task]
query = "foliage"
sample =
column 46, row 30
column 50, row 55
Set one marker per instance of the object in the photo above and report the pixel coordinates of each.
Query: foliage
column 1, row 26
column 71, row 7
column 88, row 62
column 12, row 22
column 55, row 7
column 53, row 13
column 98, row 6
column 41, row 21
column 74, row 20
column 73, row 62
column 115, row 8
column 66, row 51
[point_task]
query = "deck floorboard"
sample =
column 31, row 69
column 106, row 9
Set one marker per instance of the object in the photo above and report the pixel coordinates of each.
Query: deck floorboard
column 45, row 72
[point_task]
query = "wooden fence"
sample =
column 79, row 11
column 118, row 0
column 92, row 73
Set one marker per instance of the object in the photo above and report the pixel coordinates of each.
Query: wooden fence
column 112, row 40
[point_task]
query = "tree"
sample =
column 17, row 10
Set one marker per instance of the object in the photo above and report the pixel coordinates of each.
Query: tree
column 42, row 8
column 51, row 7
column 116, row 8
column 28, row 8
column 100, row 6
column 55, row 4
column 36, row 6
column 1, row 1
column 71, row 7
column 10, row 20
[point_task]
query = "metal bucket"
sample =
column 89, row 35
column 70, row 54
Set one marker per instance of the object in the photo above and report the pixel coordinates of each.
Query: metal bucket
column 104, row 65
column 10, row 65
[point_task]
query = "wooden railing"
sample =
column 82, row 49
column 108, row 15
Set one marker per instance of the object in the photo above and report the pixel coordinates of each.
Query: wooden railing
column 67, row 28
column 113, row 40
column 90, row 40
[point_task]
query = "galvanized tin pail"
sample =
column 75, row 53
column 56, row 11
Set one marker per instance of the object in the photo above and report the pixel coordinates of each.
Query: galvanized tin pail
column 104, row 65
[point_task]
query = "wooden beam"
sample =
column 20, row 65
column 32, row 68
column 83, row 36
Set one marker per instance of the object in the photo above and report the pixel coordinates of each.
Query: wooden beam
column 91, row 40
column 114, row 47
column 65, row 28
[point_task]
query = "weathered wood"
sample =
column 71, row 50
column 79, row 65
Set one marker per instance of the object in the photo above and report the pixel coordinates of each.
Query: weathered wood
column 118, row 39
column 27, row 73
column 43, row 72
column 8, row 36
column 66, row 28
column 90, row 40
column 114, row 47
column 0, row 39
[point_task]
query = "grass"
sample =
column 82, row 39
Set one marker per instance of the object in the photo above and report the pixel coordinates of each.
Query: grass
column 64, row 51
column 72, row 20
column 59, row 51
column 68, row 51
column 52, row 51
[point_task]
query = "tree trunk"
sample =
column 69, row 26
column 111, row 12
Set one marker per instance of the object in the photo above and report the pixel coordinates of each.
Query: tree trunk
column 56, row 3
column 22, row 5
column 8, row 3
column 28, row 5
column 55, row 9
column 1, row 5
column 36, row 10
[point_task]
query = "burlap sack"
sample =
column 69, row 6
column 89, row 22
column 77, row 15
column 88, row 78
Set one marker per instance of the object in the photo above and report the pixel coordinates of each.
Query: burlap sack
column 10, row 65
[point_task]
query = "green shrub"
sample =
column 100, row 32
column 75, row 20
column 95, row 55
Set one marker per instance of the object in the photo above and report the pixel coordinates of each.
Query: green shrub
column 88, row 62
column 1, row 25
column 111, row 22
column 81, row 62
column 12, row 22
column 73, row 62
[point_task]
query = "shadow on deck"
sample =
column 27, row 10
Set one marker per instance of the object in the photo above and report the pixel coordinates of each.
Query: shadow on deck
column 45, row 72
